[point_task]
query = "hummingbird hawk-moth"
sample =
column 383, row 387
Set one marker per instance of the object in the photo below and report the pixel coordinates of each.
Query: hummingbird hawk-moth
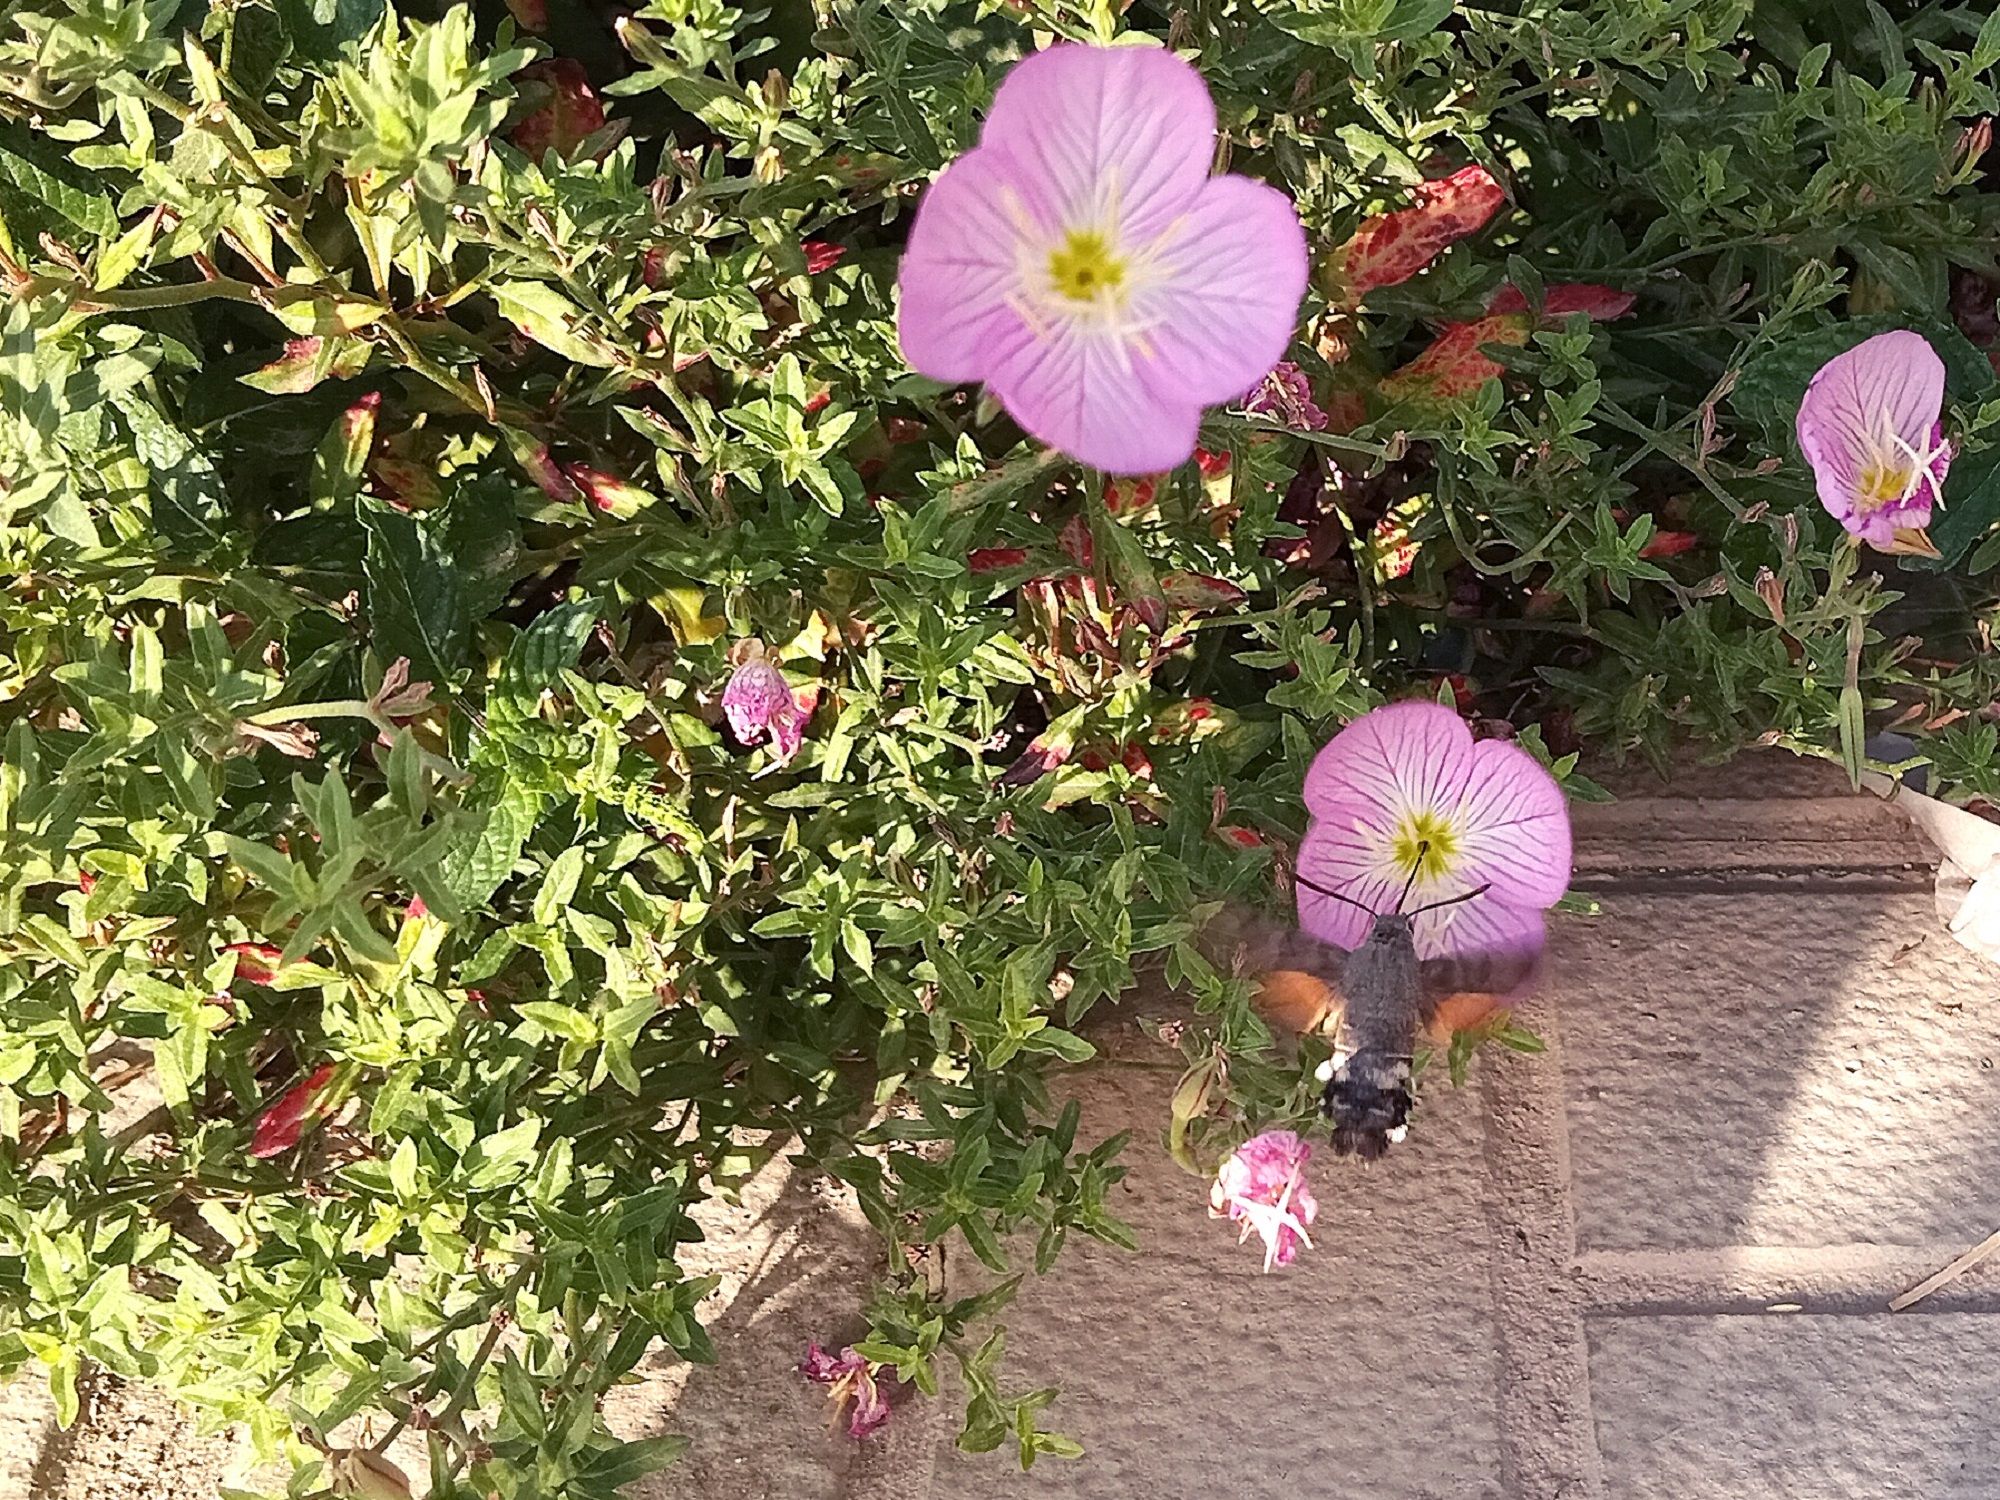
column 1386, row 997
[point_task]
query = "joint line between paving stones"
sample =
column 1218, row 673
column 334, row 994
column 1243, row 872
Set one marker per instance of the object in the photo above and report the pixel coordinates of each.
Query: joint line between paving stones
column 1547, row 1434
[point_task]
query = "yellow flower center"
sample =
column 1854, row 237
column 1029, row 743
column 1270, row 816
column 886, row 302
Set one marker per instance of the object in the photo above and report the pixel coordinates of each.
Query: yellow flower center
column 1883, row 482
column 1425, row 846
column 1083, row 269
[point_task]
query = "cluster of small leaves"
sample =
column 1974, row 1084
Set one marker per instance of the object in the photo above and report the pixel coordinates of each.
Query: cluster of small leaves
column 407, row 419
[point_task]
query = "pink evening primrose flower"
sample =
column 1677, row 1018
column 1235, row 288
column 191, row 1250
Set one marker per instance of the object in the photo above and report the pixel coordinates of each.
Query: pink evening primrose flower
column 758, row 701
column 1263, row 1187
column 1403, row 797
column 850, row 1378
column 1082, row 262
column 1869, row 427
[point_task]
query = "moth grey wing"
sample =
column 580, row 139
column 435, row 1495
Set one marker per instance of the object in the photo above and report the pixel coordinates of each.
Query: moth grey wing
column 1474, row 974
column 1239, row 940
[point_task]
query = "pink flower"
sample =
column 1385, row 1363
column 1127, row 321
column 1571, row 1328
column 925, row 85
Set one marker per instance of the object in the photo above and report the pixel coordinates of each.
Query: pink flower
column 1869, row 427
column 1287, row 396
column 851, row 1378
column 1263, row 1187
column 757, row 702
column 1082, row 262
column 1403, row 797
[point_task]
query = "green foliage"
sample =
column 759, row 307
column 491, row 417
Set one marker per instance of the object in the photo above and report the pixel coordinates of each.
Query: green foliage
column 387, row 503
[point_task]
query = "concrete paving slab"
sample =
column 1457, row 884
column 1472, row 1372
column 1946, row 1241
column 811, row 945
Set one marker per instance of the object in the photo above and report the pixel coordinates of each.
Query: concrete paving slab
column 1809, row 1069
column 1798, row 1408
column 1366, row 1368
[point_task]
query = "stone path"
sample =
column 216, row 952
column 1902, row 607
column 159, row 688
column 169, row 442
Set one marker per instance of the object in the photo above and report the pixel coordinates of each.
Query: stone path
column 1653, row 1262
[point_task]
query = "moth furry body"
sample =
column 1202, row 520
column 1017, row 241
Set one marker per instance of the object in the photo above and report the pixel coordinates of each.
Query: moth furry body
column 1386, row 997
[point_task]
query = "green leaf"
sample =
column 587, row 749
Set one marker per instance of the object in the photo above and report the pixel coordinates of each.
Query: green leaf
column 615, row 1467
column 550, row 319
column 415, row 606
column 38, row 187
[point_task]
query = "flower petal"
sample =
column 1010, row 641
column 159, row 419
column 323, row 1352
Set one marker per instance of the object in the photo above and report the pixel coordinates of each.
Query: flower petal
column 1075, row 389
column 1507, row 938
column 1411, row 756
column 1331, row 856
column 962, row 267
column 1094, row 131
column 1513, row 824
column 1221, row 296
column 1893, row 382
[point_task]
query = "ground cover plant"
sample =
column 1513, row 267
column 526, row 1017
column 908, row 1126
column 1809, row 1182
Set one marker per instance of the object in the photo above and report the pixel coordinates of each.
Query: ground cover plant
column 520, row 700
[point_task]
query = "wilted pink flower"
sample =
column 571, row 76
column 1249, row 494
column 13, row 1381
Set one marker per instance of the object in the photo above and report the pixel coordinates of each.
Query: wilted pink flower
column 1082, row 262
column 1869, row 427
column 1403, row 797
column 851, row 1378
column 1263, row 1187
column 757, row 702
column 1287, row 396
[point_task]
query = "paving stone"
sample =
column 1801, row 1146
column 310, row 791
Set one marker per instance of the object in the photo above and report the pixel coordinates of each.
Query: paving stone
column 1366, row 1368
column 1804, row 1070
column 796, row 1261
column 1824, row 1408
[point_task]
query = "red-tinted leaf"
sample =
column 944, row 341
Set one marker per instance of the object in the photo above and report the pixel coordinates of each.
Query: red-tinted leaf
column 533, row 15
column 607, row 492
column 1391, row 248
column 308, row 361
column 1040, row 759
column 1454, row 365
column 571, row 114
column 995, row 559
column 255, row 962
column 1669, row 544
column 1200, row 591
column 1600, row 302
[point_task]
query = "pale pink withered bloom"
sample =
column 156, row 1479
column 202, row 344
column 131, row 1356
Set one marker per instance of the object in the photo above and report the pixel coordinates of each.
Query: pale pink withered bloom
column 758, row 701
column 1285, row 395
column 1263, row 1187
column 1403, row 798
column 1082, row 262
column 1869, row 427
column 850, row 1377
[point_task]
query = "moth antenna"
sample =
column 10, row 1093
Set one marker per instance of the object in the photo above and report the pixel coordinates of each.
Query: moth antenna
column 1314, row 885
column 1423, row 848
column 1453, row 900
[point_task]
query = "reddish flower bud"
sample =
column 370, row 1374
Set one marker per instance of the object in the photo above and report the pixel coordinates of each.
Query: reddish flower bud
column 278, row 1129
column 822, row 255
column 256, row 963
column 1669, row 544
